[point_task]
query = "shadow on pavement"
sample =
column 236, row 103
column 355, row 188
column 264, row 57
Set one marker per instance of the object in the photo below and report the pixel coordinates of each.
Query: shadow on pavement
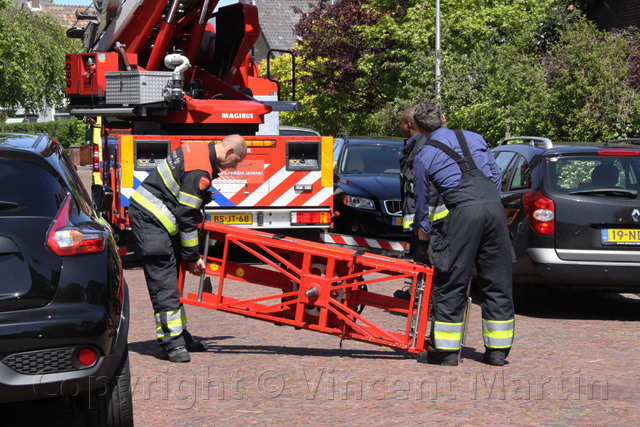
column 305, row 351
column 565, row 304
column 151, row 348
column 560, row 304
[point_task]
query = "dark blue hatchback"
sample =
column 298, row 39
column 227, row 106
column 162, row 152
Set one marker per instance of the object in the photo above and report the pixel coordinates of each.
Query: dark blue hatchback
column 366, row 197
column 63, row 298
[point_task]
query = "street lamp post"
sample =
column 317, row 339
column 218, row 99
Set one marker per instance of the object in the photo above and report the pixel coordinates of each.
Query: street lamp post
column 437, row 49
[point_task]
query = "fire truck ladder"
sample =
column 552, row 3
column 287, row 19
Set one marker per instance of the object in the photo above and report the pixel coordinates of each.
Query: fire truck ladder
column 311, row 286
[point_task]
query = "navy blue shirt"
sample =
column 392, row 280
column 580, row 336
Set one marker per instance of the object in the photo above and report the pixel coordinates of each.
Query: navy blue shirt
column 432, row 164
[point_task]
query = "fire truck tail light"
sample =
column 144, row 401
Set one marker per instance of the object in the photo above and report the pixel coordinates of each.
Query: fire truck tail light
column 96, row 158
column 310, row 218
column 540, row 212
column 65, row 239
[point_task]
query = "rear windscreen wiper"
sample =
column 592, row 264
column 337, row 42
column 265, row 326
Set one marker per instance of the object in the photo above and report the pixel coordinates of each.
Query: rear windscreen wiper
column 616, row 192
column 7, row 205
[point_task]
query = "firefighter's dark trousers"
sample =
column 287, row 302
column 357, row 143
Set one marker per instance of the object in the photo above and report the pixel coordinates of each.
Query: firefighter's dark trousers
column 473, row 234
column 161, row 263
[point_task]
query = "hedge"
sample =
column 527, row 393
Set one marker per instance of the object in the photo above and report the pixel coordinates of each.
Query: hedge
column 68, row 132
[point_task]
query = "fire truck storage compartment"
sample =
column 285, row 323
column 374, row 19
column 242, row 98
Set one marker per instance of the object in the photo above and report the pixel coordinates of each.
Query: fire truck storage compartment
column 136, row 87
column 303, row 155
column 149, row 153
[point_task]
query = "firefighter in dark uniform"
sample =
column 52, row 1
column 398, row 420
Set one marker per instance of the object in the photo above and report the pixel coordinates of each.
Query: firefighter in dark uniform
column 414, row 141
column 164, row 216
column 462, row 168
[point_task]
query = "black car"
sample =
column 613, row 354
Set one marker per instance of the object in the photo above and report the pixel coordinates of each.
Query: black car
column 298, row 131
column 64, row 305
column 574, row 213
column 366, row 196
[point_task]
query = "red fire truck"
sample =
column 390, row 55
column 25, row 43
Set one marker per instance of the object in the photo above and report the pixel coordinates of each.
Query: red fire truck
column 159, row 74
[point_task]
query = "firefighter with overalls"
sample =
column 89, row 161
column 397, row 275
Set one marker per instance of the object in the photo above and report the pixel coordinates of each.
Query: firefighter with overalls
column 462, row 168
column 164, row 213
column 414, row 141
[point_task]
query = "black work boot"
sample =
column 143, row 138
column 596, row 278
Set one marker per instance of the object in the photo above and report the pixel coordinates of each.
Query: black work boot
column 404, row 294
column 494, row 357
column 178, row 355
column 444, row 358
column 193, row 345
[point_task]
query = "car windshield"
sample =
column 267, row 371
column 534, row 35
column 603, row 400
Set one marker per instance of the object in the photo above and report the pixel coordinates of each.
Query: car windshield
column 371, row 159
column 595, row 174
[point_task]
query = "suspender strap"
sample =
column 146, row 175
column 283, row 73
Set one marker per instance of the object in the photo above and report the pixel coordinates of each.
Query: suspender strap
column 466, row 163
column 465, row 149
column 450, row 152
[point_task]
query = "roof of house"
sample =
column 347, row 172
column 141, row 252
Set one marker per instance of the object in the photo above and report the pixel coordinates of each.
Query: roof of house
column 277, row 19
column 65, row 15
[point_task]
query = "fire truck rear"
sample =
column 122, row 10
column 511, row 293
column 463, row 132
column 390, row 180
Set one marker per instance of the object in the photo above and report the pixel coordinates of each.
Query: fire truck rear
column 159, row 74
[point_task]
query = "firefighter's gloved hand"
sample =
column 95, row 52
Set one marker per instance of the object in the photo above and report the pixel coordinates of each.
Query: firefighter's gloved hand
column 207, row 197
column 422, row 253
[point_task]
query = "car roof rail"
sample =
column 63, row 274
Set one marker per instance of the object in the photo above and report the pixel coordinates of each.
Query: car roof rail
column 344, row 136
column 534, row 141
column 623, row 141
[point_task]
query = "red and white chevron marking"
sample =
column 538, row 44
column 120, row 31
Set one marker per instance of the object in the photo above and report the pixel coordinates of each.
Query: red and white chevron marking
column 341, row 239
column 277, row 190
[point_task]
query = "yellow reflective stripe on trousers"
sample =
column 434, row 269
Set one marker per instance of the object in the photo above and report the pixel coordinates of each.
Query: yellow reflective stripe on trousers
column 407, row 220
column 447, row 336
column 155, row 206
column 167, row 178
column 183, row 317
column 189, row 240
column 174, row 326
column 190, row 200
column 159, row 331
column 497, row 333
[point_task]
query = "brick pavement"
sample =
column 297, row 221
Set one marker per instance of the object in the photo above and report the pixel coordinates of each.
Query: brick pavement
column 574, row 363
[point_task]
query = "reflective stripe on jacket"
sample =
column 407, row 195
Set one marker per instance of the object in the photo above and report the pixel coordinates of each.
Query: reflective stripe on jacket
column 412, row 146
column 172, row 193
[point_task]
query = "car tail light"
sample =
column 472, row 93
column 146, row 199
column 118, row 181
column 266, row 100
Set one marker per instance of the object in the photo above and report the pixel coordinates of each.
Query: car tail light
column 310, row 218
column 65, row 239
column 96, row 158
column 618, row 153
column 540, row 212
column 87, row 357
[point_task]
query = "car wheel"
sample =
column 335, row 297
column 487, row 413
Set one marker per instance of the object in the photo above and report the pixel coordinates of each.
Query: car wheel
column 520, row 296
column 112, row 406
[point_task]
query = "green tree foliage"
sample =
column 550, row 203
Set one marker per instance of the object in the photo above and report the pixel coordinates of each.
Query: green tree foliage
column 32, row 48
column 67, row 132
column 330, row 47
column 490, row 60
column 592, row 82
column 509, row 67
column 317, row 109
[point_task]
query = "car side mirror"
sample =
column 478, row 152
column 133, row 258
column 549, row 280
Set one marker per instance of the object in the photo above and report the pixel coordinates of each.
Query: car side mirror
column 102, row 197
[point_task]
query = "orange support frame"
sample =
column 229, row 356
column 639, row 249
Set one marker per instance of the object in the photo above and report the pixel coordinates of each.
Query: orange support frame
column 313, row 286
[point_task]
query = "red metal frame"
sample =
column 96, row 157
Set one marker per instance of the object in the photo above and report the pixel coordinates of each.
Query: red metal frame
column 317, row 287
